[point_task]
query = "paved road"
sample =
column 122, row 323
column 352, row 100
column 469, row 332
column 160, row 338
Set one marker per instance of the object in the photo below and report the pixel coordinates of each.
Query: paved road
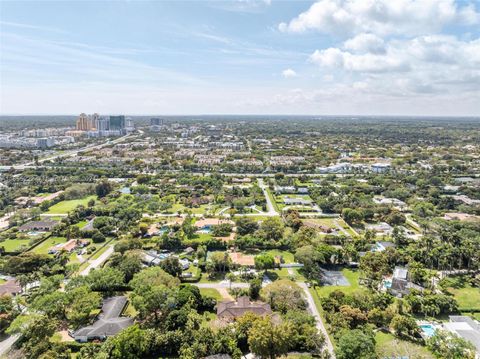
column 66, row 154
column 99, row 261
column 6, row 344
column 316, row 314
column 222, row 285
column 270, row 207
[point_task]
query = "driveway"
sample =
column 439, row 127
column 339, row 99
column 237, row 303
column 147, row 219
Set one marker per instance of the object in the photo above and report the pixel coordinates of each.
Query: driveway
column 6, row 344
column 270, row 207
column 99, row 261
column 316, row 314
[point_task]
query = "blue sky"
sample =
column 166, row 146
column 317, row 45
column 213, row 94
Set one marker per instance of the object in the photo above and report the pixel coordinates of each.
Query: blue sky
column 247, row 57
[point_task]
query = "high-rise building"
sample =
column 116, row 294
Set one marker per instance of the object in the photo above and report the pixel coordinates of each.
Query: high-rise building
column 129, row 123
column 117, row 122
column 87, row 123
column 83, row 122
column 155, row 121
column 93, row 121
column 103, row 124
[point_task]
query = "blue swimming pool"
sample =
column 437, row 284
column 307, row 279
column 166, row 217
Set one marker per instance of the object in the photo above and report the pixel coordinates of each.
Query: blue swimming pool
column 427, row 329
column 387, row 283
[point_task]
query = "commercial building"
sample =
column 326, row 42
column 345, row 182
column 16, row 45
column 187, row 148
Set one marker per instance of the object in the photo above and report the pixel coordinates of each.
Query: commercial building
column 117, row 122
column 155, row 121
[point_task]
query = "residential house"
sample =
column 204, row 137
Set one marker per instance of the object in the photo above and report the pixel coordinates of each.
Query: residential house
column 109, row 322
column 10, row 287
column 400, row 285
column 43, row 226
column 465, row 327
column 230, row 310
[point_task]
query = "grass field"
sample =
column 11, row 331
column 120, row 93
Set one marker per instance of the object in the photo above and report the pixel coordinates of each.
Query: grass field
column 287, row 256
column 81, row 224
column 468, row 297
column 64, row 207
column 43, row 247
column 14, row 245
column 211, row 292
column 388, row 346
column 352, row 277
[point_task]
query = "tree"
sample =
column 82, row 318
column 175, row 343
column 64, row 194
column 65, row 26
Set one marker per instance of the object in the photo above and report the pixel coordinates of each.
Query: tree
column 404, row 326
column 396, row 218
column 154, row 276
column 172, row 266
column 106, row 279
column 447, row 345
column 351, row 216
column 221, row 261
column 131, row 343
column 264, row 261
column 103, row 188
column 98, row 237
column 271, row 229
column 356, row 344
column 36, row 331
column 246, row 225
column 283, row 295
column 374, row 266
column 153, row 302
column 130, row 263
column 255, row 287
column 268, row 340
column 305, row 236
column 82, row 301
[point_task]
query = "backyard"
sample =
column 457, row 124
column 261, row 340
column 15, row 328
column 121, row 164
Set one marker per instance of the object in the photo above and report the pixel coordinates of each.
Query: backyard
column 64, row 207
column 352, row 277
column 467, row 296
column 43, row 247
column 388, row 346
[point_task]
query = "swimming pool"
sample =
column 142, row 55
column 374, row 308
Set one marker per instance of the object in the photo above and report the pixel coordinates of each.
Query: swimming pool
column 428, row 329
column 387, row 283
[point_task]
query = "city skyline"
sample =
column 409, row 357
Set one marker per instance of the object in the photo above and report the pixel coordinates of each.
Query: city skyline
column 241, row 57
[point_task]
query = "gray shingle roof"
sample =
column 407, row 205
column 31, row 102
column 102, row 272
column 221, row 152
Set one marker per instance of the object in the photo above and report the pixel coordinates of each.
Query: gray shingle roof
column 109, row 322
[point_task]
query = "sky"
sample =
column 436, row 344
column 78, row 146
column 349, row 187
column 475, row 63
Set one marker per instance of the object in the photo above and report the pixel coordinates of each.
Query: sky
column 326, row 57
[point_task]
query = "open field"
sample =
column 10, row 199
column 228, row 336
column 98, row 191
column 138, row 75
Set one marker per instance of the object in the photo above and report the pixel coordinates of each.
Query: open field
column 287, row 256
column 467, row 296
column 388, row 346
column 14, row 245
column 211, row 292
column 64, row 207
column 43, row 247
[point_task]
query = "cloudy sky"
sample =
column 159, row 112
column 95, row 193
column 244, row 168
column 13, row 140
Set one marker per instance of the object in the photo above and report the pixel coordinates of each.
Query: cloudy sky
column 380, row 57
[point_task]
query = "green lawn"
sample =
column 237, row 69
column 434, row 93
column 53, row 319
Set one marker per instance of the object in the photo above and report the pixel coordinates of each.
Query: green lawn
column 351, row 275
column 327, row 222
column 468, row 297
column 14, row 245
column 287, row 256
column 211, row 292
column 81, row 224
column 389, row 346
column 345, row 226
column 43, row 247
column 64, row 207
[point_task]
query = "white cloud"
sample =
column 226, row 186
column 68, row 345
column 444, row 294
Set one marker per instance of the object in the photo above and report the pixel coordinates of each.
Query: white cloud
column 289, row 73
column 366, row 43
column 334, row 57
column 349, row 17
